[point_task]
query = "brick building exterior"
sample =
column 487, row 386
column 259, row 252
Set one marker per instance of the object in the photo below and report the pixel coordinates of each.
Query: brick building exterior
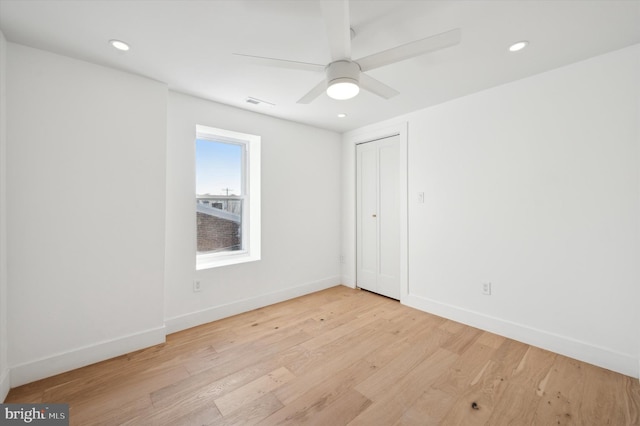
column 215, row 233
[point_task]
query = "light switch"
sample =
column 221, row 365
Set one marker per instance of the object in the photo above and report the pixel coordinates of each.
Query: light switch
column 421, row 197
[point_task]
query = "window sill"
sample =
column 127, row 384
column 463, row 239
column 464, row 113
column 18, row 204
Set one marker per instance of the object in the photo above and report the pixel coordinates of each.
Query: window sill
column 215, row 261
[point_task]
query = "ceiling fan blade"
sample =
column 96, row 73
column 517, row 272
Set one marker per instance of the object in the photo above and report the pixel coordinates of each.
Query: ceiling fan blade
column 314, row 93
column 336, row 19
column 377, row 87
column 410, row 50
column 281, row 63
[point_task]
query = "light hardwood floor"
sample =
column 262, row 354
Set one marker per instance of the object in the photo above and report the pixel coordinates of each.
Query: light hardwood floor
column 337, row 357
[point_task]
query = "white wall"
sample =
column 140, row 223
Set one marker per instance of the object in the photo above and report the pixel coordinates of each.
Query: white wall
column 533, row 186
column 86, row 212
column 301, row 196
column 89, row 224
column 4, row 364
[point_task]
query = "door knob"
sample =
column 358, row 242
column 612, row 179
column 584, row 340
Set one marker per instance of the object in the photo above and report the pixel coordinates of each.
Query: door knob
column 374, row 215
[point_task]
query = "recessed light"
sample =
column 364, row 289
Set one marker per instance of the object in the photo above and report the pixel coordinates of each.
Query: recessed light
column 342, row 115
column 120, row 45
column 518, row 46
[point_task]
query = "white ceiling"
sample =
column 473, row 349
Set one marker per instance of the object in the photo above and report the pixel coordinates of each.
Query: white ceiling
column 190, row 44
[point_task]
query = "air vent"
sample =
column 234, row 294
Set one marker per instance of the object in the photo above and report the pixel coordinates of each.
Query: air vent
column 255, row 101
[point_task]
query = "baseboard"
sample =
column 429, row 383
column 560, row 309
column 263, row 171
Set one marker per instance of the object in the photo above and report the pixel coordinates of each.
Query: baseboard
column 348, row 281
column 193, row 319
column 592, row 354
column 56, row 364
column 5, row 384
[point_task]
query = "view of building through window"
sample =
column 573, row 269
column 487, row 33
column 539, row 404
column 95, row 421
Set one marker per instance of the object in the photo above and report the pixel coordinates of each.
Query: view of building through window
column 220, row 194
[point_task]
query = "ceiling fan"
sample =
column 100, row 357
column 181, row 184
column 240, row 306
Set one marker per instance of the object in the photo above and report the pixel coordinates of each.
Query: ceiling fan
column 343, row 76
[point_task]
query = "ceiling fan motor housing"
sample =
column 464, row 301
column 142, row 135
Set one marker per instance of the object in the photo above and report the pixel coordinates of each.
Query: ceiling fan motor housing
column 343, row 71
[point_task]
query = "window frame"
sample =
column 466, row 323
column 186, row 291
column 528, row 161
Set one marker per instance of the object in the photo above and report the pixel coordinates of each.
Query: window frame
column 250, row 231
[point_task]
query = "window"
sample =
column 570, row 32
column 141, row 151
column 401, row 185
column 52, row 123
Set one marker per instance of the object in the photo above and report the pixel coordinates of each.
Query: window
column 227, row 197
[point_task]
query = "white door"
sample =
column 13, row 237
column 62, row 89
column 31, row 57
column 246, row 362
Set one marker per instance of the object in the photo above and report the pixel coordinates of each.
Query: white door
column 378, row 216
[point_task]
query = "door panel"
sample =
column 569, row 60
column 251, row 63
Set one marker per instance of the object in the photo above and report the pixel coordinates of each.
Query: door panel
column 378, row 216
column 367, row 189
column 389, row 219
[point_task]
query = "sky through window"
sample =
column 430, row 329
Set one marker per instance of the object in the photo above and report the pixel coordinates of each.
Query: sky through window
column 218, row 168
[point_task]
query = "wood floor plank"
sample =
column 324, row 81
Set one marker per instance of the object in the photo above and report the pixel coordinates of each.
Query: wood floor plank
column 336, row 357
column 627, row 398
column 466, row 368
column 452, row 327
column 228, row 361
column 459, row 342
column 137, row 383
column 312, row 400
column 533, row 368
column 487, row 388
column 596, row 405
column 193, row 411
column 332, row 357
column 340, row 412
column 253, row 390
column 428, row 409
column 344, row 329
column 491, row 340
column 254, row 412
column 378, row 384
column 105, row 412
column 204, row 416
column 218, row 381
column 517, row 406
column 562, row 398
column 390, row 406
column 475, row 404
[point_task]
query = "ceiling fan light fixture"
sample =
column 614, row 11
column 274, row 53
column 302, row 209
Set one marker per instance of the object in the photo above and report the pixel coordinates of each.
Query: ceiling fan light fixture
column 343, row 88
column 343, row 80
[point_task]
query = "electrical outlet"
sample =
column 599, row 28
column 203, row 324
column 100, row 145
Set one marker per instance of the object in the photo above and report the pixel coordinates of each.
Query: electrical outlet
column 486, row 289
column 196, row 286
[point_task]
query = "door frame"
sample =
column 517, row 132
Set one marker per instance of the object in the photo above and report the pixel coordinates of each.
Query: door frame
column 350, row 140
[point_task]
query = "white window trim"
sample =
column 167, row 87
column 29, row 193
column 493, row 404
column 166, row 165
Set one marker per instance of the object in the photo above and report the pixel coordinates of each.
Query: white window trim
column 251, row 211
